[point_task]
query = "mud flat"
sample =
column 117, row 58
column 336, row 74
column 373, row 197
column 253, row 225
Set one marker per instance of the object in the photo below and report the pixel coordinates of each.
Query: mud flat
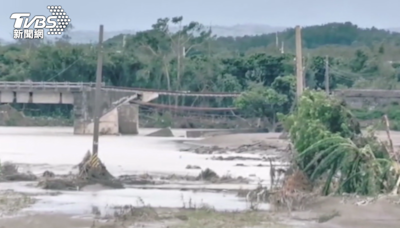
column 236, row 140
column 150, row 218
column 245, row 150
column 329, row 212
column 272, row 139
column 326, row 212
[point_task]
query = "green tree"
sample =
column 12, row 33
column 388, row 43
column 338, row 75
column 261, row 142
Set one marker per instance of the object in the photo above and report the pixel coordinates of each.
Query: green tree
column 265, row 103
column 174, row 55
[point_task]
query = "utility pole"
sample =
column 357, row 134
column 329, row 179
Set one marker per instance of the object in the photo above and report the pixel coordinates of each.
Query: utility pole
column 299, row 64
column 327, row 75
column 97, row 99
column 123, row 42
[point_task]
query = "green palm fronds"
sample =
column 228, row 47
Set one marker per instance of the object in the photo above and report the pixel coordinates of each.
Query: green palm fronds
column 330, row 147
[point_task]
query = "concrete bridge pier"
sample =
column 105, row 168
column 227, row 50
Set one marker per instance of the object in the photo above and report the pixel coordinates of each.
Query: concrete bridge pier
column 128, row 119
column 81, row 113
column 118, row 116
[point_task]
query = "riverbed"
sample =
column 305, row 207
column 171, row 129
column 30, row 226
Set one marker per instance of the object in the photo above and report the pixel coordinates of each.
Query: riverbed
column 58, row 150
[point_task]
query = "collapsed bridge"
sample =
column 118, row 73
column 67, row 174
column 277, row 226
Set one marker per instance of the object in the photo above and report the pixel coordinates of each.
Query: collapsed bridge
column 119, row 104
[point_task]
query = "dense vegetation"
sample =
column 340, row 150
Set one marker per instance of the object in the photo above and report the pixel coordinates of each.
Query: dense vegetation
column 332, row 151
column 192, row 59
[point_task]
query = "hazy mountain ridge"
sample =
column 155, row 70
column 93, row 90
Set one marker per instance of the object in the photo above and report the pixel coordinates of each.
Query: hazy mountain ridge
column 395, row 29
column 86, row 36
column 93, row 36
column 236, row 30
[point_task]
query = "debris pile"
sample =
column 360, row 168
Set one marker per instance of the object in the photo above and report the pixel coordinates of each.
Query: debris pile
column 193, row 167
column 9, row 172
column 143, row 179
column 91, row 171
column 257, row 147
column 208, row 175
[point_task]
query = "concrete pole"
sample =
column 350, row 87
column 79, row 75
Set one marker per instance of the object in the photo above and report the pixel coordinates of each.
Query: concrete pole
column 96, row 113
column 327, row 75
column 299, row 64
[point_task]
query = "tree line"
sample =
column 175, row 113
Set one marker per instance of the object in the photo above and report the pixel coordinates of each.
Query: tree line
column 192, row 59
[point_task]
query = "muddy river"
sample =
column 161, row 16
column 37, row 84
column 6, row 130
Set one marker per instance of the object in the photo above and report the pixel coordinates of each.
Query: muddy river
column 173, row 186
column 58, row 150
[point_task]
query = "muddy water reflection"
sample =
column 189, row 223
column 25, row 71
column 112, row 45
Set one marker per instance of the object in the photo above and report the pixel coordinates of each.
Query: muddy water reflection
column 80, row 202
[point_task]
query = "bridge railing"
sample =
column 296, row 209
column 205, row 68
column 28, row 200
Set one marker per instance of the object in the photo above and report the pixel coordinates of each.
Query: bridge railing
column 82, row 85
column 173, row 93
column 48, row 84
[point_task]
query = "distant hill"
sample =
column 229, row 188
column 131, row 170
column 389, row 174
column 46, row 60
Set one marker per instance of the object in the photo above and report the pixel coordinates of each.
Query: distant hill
column 236, row 30
column 331, row 34
column 86, row 36
column 395, row 29
column 245, row 29
column 79, row 36
column 221, row 31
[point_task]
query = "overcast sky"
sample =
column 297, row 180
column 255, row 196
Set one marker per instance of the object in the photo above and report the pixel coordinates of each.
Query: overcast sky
column 140, row 14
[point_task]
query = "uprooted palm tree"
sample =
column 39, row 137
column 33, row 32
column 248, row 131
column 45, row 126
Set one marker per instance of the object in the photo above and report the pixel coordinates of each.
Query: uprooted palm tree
column 329, row 146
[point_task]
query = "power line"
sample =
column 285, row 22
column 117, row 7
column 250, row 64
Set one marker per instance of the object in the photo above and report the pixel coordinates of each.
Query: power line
column 65, row 69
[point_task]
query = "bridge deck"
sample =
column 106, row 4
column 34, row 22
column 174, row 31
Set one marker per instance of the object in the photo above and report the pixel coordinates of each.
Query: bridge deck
column 83, row 86
column 88, row 86
column 50, row 86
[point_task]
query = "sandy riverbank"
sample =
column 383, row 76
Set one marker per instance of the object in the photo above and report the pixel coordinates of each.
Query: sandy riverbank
column 153, row 218
column 235, row 140
column 328, row 212
column 356, row 212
